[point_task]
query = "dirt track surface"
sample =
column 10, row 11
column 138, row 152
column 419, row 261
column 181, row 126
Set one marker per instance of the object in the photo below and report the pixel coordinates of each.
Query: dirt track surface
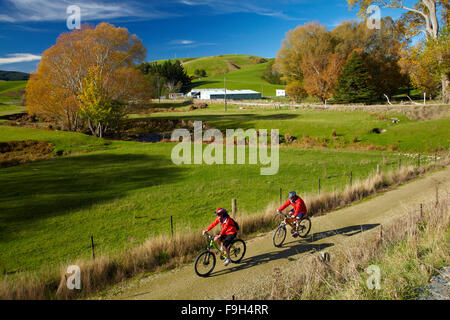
column 328, row 231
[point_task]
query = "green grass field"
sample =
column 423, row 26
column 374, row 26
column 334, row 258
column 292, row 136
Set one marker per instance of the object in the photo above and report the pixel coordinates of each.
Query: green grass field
column 124, row 192
column 6, row 86
column 6, row 109
column 407, row 136
column 11, row 93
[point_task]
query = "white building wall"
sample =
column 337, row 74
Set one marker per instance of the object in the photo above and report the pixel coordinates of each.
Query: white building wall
column 281, row 93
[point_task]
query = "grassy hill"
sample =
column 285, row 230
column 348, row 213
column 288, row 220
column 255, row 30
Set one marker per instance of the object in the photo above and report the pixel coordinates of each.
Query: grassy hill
column 216, row 65
column 13, row 75
column 11, row 93
column 242, row 72
column 249, row 77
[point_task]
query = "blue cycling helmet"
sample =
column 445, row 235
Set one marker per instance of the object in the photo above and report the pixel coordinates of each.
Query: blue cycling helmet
column 292, row 195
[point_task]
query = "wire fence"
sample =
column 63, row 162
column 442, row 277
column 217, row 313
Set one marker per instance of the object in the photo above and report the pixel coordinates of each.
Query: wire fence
column 167, row 224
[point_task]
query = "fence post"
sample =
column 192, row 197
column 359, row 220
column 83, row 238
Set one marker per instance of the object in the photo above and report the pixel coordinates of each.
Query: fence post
column 351, row 178
column 171, row 225
column 93, row 247
column 233, row 208
column 399, row 163
column 319, row 185
column 281, row 196
column 437, row 195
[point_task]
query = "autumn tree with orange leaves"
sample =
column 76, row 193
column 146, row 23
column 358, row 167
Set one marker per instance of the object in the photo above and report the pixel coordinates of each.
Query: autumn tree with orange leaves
column 313, row 58
column 307, row 59
column 427, row 18
column 63, row 87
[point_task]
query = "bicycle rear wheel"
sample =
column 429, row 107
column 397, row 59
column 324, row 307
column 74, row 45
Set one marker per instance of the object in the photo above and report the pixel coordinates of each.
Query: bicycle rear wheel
column 237, row 250
column 279, row 236
column 204, row 263
column 304, row 228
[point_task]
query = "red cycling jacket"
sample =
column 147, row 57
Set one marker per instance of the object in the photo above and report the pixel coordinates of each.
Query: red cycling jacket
column 227, row 223
column 298, row 204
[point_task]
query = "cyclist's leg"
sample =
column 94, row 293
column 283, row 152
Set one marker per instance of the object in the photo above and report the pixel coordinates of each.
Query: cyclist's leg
column 227, row 242
column 220, row 242
column 298, row 218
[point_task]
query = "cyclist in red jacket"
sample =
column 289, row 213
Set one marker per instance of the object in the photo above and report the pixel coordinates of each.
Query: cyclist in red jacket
column 299, row 211
column 228, row 232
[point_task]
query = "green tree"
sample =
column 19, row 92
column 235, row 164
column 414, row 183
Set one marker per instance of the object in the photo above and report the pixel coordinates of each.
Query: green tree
column 170, row 74
column 381, row 51
column 271, row 75
column 97, row 106
column 355, row 83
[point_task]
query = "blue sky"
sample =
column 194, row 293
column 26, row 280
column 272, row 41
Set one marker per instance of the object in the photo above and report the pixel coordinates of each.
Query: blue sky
column 168, row 28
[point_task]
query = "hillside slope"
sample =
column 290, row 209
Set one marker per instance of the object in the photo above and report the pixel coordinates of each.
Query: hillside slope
column 249, row 78
column 7, row 86
column 13, row 75
column 216, row 65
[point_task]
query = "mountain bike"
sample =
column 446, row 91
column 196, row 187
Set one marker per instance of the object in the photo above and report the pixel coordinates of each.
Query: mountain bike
column 206, row 260
column 280, row 233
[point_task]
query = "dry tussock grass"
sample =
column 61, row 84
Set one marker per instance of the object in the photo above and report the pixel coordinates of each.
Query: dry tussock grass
column 407, row 253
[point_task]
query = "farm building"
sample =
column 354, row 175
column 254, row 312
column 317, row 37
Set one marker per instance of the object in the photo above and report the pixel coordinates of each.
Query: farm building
column 210, row 94
column 281, row 93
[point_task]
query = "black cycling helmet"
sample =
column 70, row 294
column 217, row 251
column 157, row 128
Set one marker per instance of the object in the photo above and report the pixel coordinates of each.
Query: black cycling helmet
column 292, row 195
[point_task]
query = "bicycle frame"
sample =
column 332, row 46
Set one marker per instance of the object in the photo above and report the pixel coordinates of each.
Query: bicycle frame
column 213, row 245
column 288, row 220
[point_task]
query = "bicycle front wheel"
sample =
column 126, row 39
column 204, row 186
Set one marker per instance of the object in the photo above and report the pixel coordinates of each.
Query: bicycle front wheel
column 204, row 263
column 279, row 236
column 304, row 228
column 237, row 250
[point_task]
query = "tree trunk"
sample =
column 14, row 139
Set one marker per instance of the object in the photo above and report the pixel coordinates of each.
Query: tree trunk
column 445, row 82
column 91, row 128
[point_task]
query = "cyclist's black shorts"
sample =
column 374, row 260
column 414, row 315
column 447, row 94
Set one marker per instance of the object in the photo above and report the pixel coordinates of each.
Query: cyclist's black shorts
column 226, row 239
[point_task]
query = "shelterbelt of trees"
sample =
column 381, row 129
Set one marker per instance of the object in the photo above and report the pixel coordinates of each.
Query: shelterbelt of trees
column 312, row 59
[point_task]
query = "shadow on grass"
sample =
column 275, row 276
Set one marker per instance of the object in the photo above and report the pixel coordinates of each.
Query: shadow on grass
column 174, row 104
column 55, row 187
column 295, row 247
column 229, row 121
column 202, row 83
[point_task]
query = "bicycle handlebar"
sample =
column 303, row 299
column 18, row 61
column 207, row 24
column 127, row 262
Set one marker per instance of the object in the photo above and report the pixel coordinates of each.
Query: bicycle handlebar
column 210, row 237
column 284, row 214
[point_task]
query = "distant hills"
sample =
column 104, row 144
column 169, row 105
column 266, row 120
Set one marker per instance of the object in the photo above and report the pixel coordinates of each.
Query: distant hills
column 217, row 65
column 13, row 76
column 241, row 71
